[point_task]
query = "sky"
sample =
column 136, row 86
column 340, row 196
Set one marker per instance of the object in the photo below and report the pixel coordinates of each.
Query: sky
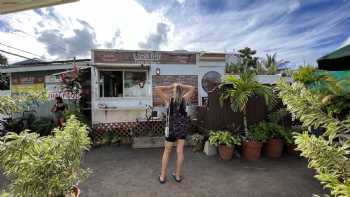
column 299, row 31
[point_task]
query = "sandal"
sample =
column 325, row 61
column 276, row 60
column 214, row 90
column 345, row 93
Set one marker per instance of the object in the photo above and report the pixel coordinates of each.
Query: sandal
column 175, row 178
column 161, row 181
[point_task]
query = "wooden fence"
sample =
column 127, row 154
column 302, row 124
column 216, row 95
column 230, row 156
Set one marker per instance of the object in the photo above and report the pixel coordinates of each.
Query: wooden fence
column 215, row 116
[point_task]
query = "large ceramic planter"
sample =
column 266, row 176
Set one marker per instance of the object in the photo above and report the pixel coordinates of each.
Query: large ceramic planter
column 252, row 150
column 274, row 148
column 226, row 152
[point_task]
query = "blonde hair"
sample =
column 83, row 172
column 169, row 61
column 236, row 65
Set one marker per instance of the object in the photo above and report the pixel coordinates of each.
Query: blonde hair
column 177, row 93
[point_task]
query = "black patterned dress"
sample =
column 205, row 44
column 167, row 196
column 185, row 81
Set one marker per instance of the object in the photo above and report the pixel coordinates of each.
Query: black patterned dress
column 178, row 121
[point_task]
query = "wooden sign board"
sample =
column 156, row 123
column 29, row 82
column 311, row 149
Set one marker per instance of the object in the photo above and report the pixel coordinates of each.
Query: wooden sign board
column 143, row 57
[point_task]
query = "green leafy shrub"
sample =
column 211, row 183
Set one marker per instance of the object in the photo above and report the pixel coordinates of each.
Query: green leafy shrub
column 327, row 154
column 110, row 138
column 196, row 139
column 305, row 75
column 44, row 166
column 43, row 126
column 74, row 109
column 258, row 132
column 21, row 100
column 330, row 162
column 217, row 138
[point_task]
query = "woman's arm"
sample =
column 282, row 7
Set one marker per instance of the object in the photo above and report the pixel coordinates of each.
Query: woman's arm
column 189, row 90
column 53, row 109
column 162, row 93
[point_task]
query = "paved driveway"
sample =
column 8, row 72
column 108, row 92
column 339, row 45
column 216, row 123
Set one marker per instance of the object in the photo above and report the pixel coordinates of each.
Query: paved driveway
column 122, row 171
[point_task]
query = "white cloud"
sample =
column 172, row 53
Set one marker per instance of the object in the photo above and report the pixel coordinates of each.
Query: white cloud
column 106, row 17
column 269, row 27
column 300, row 40
column 293, row 5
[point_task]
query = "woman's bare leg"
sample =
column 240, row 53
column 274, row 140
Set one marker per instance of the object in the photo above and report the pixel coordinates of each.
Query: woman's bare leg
column 165, row 160
column 61, row 120
column 179, row 157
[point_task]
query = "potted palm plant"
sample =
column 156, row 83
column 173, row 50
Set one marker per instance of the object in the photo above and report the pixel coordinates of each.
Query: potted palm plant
column 253, row 143
column 238, row 90
column 225, row 142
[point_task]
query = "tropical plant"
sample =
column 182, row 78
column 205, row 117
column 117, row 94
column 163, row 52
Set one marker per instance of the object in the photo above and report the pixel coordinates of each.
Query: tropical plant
column 217, row 138
column 238, row 91
column 3, row 60
column 289, row 136
column 110, row 138
column 44, row 166
column 4, row 81
column 234, row 68
column 43, row 126
column 8, row 105
column 21, row 100
column 278, row 116
column 306, row 75
column 328, row 154
column 276, row 131
column 74, row 109
column 197, row 139
column 271, row 64
column 258, row 132
column 247, row 57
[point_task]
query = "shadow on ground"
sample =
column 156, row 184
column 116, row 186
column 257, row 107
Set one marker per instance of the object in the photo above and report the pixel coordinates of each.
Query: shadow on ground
column 122, row 171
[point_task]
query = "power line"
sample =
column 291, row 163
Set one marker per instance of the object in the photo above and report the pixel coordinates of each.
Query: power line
column 16, row 54
column 30, row 35
column 20, row 50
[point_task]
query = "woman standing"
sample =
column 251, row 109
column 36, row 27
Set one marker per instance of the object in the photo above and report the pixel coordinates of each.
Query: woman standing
column 58, row 110
column 178, row 124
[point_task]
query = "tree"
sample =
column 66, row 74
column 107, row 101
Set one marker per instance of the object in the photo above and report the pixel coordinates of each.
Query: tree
column 3, row 60
column 246, row 55
column 271, row 64
column 239, row 90
column 327, row 154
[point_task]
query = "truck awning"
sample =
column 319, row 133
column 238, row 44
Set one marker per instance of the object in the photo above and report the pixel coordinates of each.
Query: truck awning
column 336, row 61
column 9, row 6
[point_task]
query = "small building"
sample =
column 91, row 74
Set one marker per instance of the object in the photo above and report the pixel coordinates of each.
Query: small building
column 35, row 74
column 123, row 82
column 119, row 85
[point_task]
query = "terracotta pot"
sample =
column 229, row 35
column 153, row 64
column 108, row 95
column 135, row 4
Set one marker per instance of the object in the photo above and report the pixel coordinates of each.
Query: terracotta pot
column 274, row 148
column 226, row 152
column 252, row 150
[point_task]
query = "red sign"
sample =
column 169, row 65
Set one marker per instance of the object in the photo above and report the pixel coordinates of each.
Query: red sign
column 68, row 95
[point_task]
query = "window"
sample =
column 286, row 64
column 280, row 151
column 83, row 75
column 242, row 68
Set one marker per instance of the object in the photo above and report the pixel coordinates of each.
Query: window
column 111, row 84
column 123, row 84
